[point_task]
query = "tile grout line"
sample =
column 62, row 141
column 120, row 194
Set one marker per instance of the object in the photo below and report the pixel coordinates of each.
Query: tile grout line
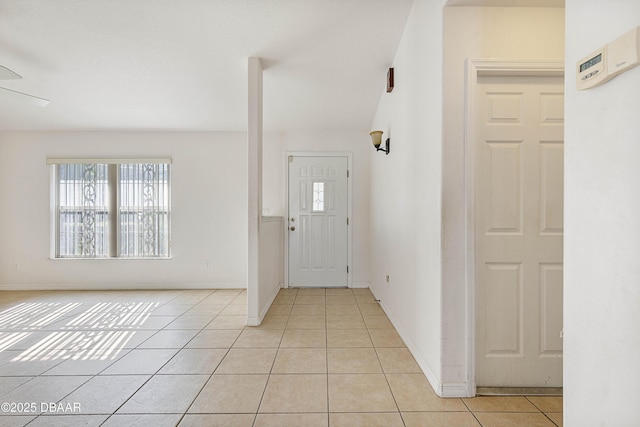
column 386, row 378
column 175, row 298
column 471, row 412
column 153, row 375
column 79, row 386
column 186, row 411
column 266, row 384
column 326, row 357
column 543, row 412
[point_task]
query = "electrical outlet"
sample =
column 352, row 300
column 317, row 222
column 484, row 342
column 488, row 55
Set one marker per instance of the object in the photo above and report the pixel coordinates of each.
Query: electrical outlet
column 207, row 264
column 387, row 278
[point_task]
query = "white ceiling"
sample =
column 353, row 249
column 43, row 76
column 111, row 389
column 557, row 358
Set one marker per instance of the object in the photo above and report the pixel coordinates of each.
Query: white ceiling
column 181, row 64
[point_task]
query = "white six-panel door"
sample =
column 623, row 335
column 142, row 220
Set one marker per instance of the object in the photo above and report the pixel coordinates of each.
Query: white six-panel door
column 317, row 222
column 519, row 231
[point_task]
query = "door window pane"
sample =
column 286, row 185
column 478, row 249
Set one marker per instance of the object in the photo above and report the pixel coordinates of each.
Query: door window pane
column 318, row 197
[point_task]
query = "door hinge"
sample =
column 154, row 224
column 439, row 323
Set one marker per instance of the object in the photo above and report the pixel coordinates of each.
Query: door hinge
column 347, row 173
column 347, row 268
column 347, row 221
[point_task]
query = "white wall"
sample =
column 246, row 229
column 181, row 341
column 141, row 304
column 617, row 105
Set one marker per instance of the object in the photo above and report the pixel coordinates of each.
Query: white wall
column 602, row 238
column 209, row 204
column 209, row 210
column 275, row 148
column 514, row 33
column 405, row 209
column 270, row 272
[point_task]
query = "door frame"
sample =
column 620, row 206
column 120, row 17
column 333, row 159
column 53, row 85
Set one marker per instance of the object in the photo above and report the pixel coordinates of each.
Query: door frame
column 475, row 68
column 349, row 156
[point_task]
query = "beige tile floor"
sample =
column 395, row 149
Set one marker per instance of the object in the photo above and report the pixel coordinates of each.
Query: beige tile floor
column 322, row 357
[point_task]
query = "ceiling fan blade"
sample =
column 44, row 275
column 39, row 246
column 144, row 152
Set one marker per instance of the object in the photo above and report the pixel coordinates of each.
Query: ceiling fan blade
column 7, row 74
column 40, row 102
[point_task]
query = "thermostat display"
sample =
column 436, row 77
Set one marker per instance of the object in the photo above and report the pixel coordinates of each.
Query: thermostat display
column 607, row 62
column 590, row 63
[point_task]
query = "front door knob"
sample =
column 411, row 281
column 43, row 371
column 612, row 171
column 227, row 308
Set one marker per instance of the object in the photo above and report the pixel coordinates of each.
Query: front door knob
column 292, row 228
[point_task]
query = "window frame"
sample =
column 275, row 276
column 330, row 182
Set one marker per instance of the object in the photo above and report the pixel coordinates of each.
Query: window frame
column 113, row 208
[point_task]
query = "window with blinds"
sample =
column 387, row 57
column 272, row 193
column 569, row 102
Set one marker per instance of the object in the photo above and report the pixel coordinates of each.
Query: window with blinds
column 143, row 210
column 112, row 209
column 83, row 211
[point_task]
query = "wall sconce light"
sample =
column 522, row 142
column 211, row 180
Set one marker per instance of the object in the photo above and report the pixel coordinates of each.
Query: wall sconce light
column 376, row 139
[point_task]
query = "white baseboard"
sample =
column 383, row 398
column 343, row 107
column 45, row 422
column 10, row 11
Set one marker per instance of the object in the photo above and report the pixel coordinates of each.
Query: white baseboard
column 456, row 390
column 257, row 321
column 441, row 389
column 360, row 285
column 118, row 286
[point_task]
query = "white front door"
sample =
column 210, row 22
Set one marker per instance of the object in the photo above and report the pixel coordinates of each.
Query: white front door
column 519, row 231
column 317, row 222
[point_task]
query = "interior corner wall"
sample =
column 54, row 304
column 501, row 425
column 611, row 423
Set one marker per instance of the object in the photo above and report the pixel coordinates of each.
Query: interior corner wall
column 507, row 33
column 405, row 210
column 602, row 244
column 208, row 218
column 276, row 145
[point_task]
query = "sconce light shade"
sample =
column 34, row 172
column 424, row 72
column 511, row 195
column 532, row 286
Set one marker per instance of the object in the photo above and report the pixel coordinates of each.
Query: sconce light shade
column 376, row 139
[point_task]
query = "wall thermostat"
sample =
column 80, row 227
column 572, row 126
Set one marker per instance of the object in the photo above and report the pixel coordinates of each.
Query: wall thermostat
column 620, row 55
